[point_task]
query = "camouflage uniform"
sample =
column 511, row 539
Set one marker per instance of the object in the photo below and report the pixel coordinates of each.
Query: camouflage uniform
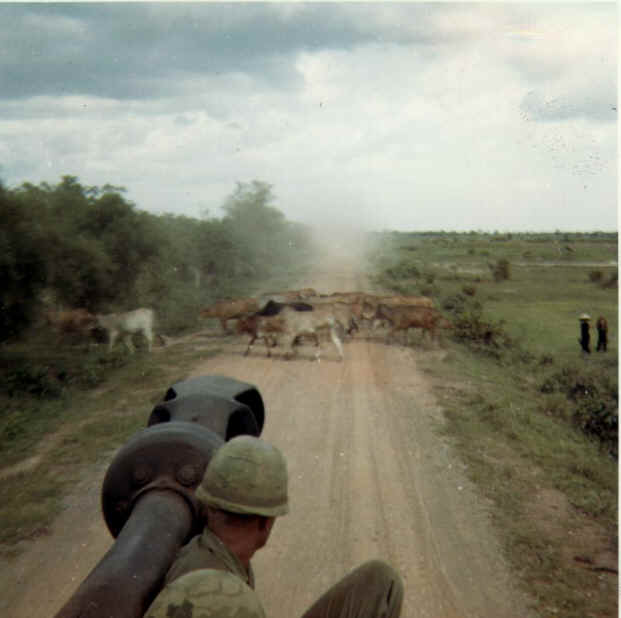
column 206, row 593
column 207, row 551
column 373, row 590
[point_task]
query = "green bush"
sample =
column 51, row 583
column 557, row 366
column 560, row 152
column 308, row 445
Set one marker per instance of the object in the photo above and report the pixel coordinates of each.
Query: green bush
column 41, row 368
column 546, row 359
column 598, row 416
column 458, row 304
column 594, row 399
column 428, row 290
column 481, row 335
column 403, row 270
column 501, row 270
column 596, row 276
column 35, row 380
column 612, row 281
column 557, row 406
column 22, row 265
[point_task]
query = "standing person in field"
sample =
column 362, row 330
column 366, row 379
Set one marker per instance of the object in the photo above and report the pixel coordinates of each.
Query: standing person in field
column 585, row 334
column 602, row 333
column 242, row 492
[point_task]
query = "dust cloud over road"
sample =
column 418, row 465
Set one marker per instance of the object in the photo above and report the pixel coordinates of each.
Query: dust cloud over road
column 369, row 478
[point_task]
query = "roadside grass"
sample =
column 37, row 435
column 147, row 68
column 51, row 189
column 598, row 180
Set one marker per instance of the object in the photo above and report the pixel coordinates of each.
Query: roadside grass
column 518, row 456
column 42, row 380
column 47, row 444
column 554, row 489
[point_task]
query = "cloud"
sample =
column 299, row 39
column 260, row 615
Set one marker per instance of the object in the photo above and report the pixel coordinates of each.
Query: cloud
column 135, row 50
column 393, row 115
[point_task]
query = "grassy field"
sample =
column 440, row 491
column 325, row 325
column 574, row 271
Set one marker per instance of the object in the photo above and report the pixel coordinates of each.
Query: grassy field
column 516, row 405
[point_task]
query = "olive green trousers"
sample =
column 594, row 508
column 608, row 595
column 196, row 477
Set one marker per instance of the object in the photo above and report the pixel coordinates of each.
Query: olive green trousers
column 373, row 590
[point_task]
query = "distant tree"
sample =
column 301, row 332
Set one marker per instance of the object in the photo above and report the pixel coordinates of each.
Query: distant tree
column 257, row 228
column 22, row 265
column 501, row 270
column 218, row 252
column 130, row 240
column 94, row 241
column 82, row 274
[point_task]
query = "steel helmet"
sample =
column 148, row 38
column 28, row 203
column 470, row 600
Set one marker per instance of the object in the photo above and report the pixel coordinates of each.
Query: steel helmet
column 246, row 475
column 206, row 593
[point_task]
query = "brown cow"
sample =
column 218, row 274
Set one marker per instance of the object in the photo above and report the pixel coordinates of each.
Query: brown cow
column 266, row 327
column 226, row 310
column 285, row 296
column 371, row 303
column 411, row 301
column 347, row 314
column 307, row 293
column 406, row 317
column 71, row 321
column 270, row 328
column 291, row 325
column 344, row 297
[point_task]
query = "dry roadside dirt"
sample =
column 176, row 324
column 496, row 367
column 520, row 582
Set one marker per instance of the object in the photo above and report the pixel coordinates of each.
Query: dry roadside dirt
column 369, row 478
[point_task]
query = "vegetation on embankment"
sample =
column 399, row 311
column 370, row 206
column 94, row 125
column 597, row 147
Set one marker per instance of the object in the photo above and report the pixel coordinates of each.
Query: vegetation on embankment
column 49, row 440
column 534, row 420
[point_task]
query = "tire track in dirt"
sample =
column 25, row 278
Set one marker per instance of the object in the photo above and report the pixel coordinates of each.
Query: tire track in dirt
column 369, row 479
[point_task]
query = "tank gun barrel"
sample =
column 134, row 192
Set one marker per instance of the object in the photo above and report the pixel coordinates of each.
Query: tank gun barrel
column 148, row 493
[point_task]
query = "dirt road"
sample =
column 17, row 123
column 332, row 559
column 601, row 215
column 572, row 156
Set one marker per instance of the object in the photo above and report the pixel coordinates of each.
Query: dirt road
column 369, row 478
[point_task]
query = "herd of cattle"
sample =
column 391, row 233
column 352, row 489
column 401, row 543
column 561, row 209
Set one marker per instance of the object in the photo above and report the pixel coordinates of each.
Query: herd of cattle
column 285, row 317
column 279, row 318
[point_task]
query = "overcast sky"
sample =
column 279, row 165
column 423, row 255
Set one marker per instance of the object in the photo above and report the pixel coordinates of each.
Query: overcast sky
column 408, row 116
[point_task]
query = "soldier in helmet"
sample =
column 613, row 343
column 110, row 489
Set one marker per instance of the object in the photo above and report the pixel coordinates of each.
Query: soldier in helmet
column 242, row 492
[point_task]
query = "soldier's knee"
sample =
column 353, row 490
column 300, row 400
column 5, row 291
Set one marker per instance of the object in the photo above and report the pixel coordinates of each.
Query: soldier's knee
column 379, row 569
column 381, row 573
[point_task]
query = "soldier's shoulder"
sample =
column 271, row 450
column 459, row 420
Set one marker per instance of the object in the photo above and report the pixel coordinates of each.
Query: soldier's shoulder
column 206, row 593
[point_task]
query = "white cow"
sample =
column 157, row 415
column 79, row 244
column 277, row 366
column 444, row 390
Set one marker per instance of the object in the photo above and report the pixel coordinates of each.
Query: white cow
column 127, row 325
column 292, row 324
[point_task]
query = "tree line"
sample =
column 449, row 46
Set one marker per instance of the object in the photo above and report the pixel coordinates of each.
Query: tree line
column 69, row 245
